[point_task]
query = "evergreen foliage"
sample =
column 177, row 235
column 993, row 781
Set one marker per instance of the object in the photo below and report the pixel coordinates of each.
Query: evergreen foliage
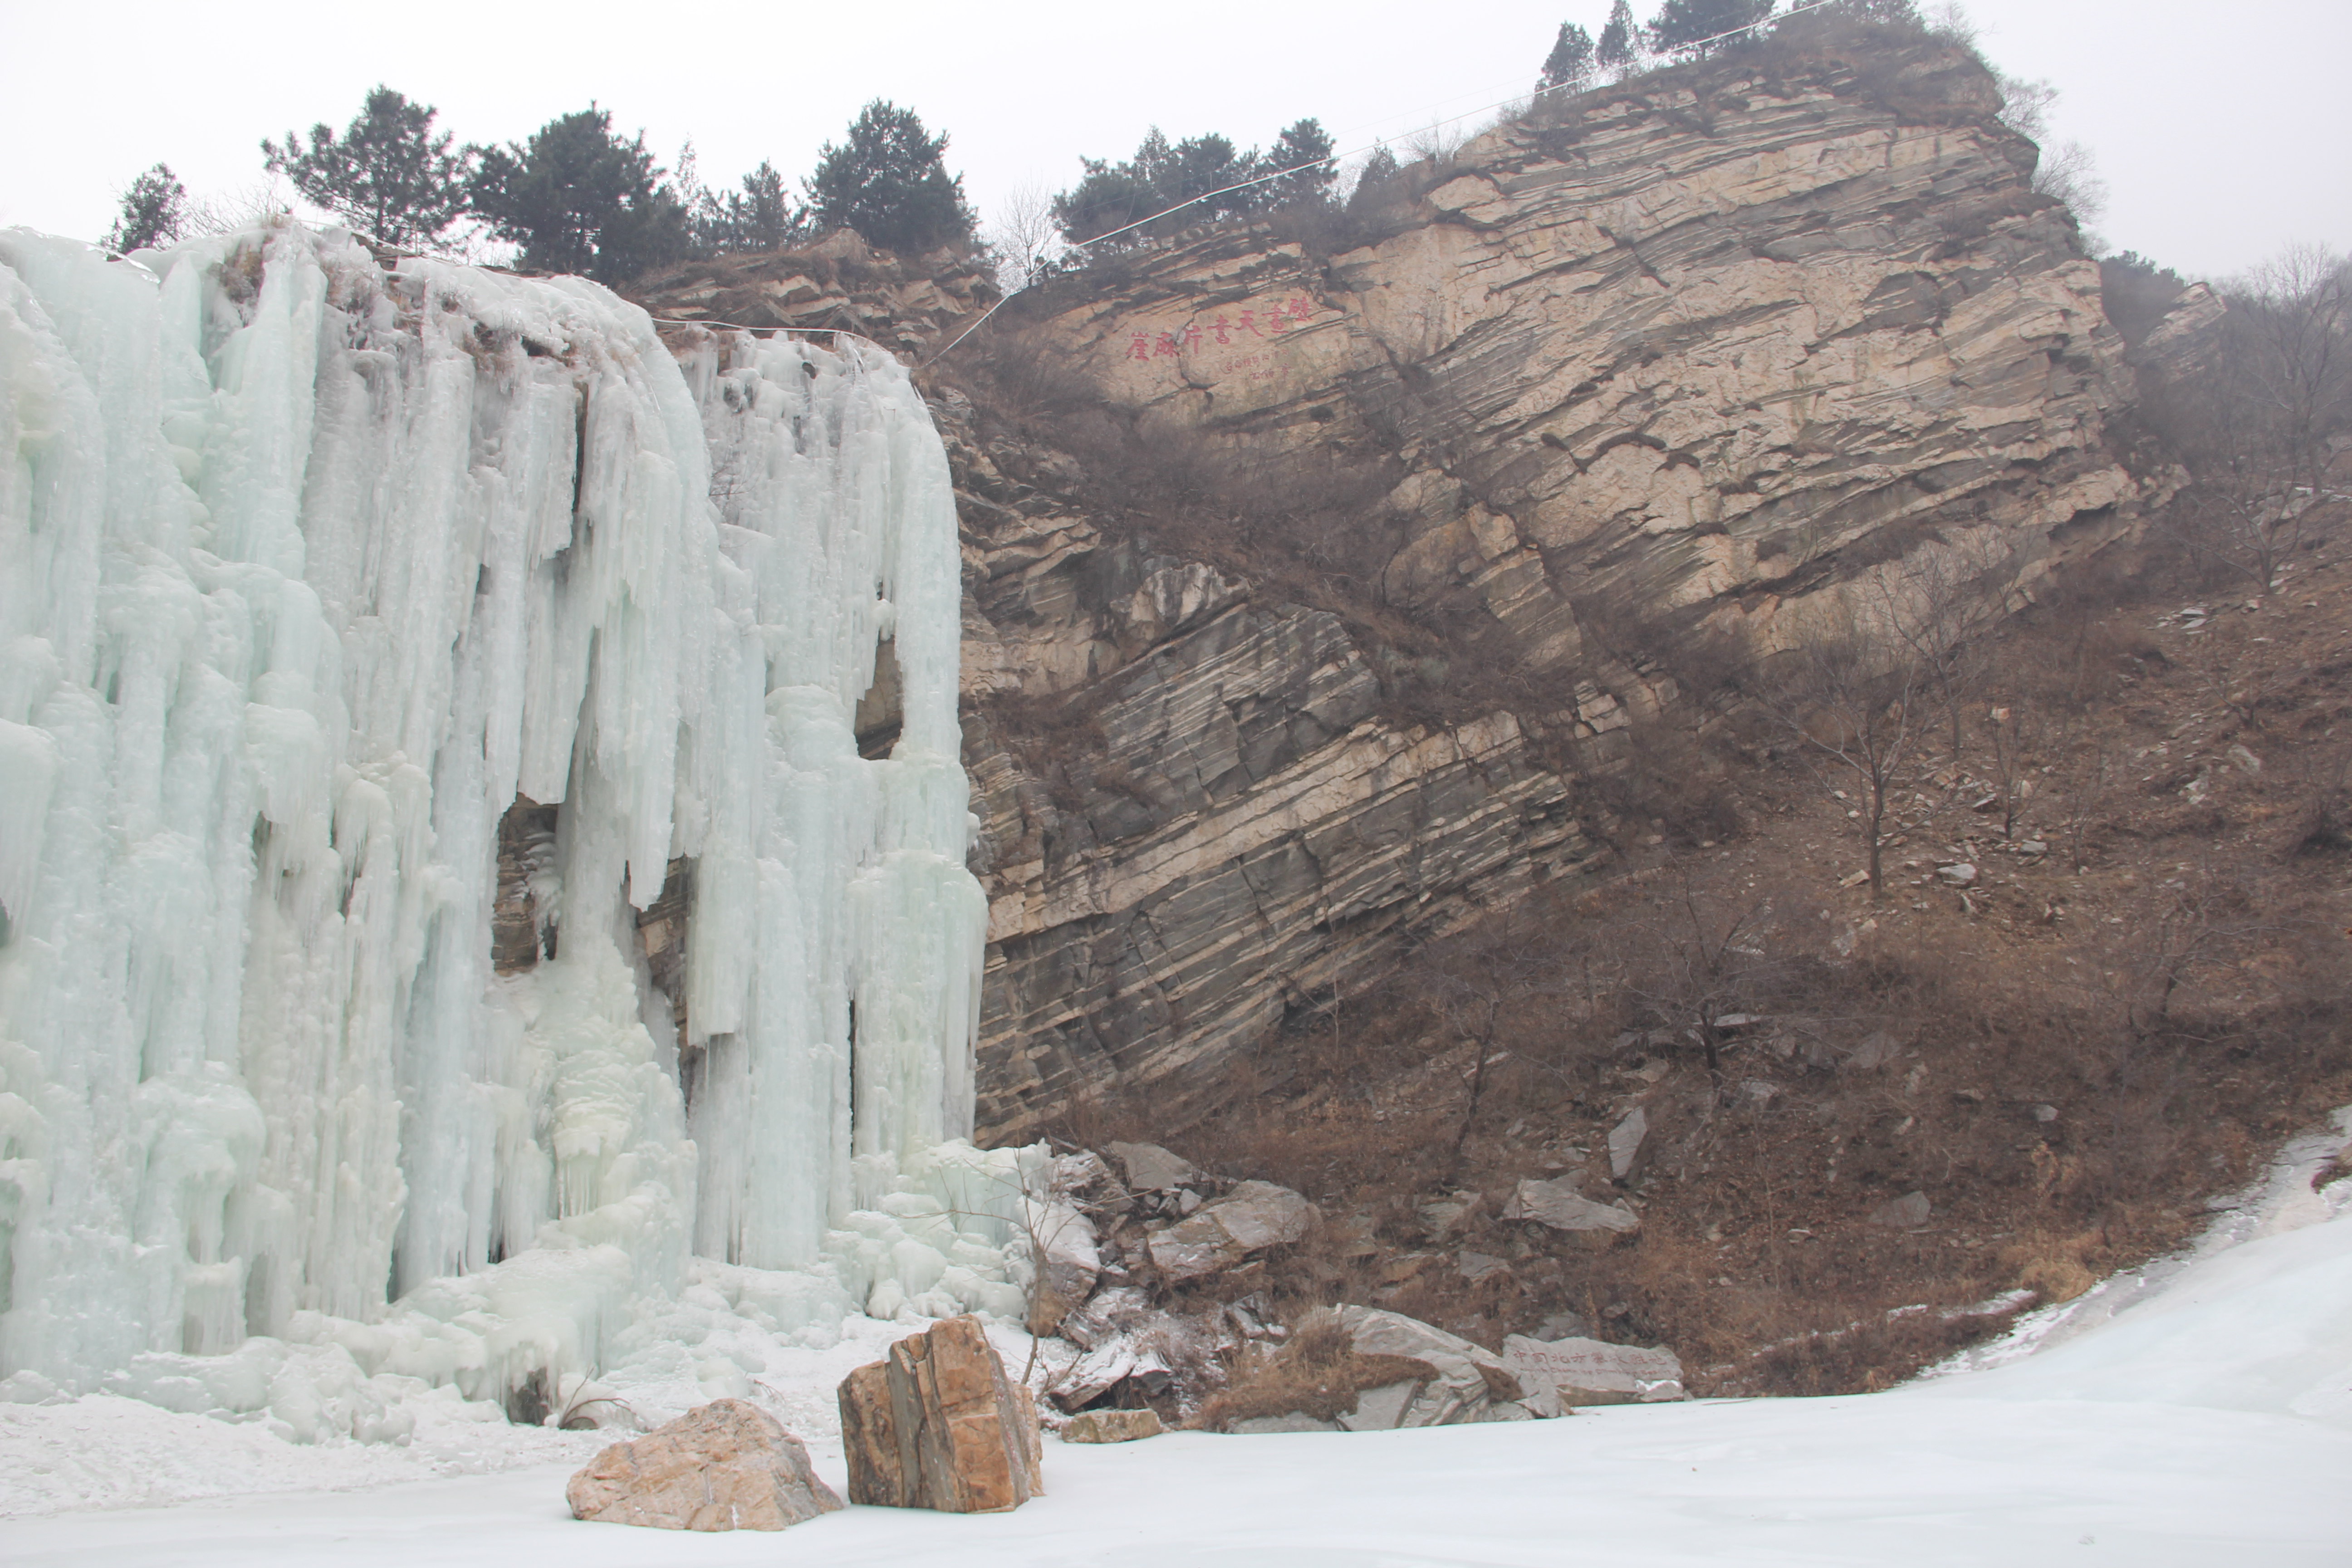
column 578, row 199
column 1303, row 143
column 1164, row 174
column 1570, row 64
column 760, row 217
column 1615, row 51
column 890, row 183
column 1684, row 26
column 387, row 175
column 1378, row 171
column 154, row 212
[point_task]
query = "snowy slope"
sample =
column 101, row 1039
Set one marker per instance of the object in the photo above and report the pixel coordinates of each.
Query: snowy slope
column 2208, row 1420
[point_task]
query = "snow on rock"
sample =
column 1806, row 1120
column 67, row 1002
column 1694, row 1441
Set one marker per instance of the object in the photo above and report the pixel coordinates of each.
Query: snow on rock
column 309, row 569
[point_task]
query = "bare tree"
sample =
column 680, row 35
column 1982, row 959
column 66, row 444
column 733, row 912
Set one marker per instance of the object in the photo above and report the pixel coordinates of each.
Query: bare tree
column 2256, row 427
column 1438, row 141
column 2206, row 930
column 2068, row 170
column 1709, row 968
column 1489, row 985
column 1024, row 237
column 1850, row 701
column 264, row 205
column 2091, row 793
column 1940, row 604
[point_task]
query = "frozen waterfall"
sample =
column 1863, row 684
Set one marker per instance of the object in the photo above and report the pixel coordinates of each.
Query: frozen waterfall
column 318, row 585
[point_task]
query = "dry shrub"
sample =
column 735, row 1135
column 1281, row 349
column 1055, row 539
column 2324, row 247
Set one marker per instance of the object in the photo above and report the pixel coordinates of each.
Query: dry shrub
column 1021, row 377
column 1659, row 771
column 2053, row 1266
column 2322, row 822
column 1318, row 1372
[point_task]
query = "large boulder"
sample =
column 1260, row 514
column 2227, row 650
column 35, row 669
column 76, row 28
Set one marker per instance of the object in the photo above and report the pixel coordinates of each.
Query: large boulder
column 1559, row 1206
column 1111, row 1427
column 727, row 1465
column 1151, row 1169
column 1223, row 1234
column 940, row 1425
column 1391, row 1371
column 1625, row 1141
column 1592, row 1372
column 1908, row 1212
column 1469, row 1381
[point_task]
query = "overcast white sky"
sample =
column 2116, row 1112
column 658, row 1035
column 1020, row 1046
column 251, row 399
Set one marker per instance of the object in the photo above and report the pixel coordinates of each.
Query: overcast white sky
column 2222, row 128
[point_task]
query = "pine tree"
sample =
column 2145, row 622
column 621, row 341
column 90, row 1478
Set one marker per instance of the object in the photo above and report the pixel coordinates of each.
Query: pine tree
column 1687, row 27
column 388, row 176
column 890, row 183
column 1108, row 197
column 578, row 199
column 1378, row 171
column 1197, row 176
column 1570, row 64
column 761, row 216
column 1206, row 166
column 1301, row 156
column 154, row 212
column 1617, row 37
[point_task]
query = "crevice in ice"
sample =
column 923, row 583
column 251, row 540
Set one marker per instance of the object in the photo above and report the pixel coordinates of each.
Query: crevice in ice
column 881, row 711
column 662, row 938
column 524, row 919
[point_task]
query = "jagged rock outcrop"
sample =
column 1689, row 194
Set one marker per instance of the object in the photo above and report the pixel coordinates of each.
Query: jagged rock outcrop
column 1731, row 347
column 1390, row 1371
column 1256, row 828
column 1720, row 340
column 838, row 283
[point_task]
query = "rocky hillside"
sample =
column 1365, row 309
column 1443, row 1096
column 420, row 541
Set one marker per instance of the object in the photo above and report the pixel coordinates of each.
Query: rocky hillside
column 1315, row 570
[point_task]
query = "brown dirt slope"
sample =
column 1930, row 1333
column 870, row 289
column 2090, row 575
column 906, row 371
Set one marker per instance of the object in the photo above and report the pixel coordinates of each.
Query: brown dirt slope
column 2137, row 994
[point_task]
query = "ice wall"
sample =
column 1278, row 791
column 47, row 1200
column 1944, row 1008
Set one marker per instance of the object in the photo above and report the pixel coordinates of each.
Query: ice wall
column 307, row 572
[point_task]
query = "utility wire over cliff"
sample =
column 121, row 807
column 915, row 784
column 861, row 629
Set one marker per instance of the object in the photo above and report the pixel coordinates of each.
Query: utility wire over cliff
column 1293, row 171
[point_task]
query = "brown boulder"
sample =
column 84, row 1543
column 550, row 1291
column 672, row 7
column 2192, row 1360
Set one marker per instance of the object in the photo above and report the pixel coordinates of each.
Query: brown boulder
column 1252, row 1217
column 727, row 1465
column 1111, row 1427
column 940, row 1425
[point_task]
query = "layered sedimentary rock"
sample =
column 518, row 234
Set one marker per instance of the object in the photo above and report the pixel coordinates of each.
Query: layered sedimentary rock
column 1709, row 340
column 1745, row 346
column 1252, row 842
column 940, row 1425
column 1749, row 347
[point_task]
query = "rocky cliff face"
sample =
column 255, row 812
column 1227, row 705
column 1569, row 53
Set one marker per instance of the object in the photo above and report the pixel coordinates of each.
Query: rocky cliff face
column 1735, row 347
column 1719, row 341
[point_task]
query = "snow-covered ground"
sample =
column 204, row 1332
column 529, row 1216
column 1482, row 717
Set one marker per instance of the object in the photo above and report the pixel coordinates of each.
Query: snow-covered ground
column 2200, row 1412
